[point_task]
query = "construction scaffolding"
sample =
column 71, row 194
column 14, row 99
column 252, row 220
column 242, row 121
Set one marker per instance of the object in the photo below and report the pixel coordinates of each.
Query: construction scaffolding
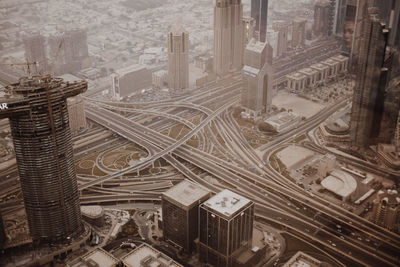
column 37, row 111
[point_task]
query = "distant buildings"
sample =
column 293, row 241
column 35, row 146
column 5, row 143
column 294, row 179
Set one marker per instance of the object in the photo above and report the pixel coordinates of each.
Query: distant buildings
column 44, row 155
column 146, row 255
column 160, row 78
column 68, row 51
column 298, row 33
column 257, row 90
column 178, row 58
column 129, row 80
column 35, row 51
column 226, row 228
column 386, row 210
column 180, row 209
column 259, row 12
column 228, row 36
column 282, row 28
column 321, row 18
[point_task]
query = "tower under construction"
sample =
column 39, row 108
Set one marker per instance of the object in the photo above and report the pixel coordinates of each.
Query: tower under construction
column 37, row 111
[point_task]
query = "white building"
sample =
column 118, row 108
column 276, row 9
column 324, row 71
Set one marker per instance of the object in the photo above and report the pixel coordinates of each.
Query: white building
column 130, row 80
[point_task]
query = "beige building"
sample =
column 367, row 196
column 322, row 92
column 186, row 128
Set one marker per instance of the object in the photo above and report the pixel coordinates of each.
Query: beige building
column 298, row 33
column 228, row 36
column 129, row 80
column 257, row 80
column 333, row 67
column 76, row 113
column 282, row 29
column 178, row 57
column 322, row 72
column 343, row 63
column 296, row 81
column 160, row 78
column 97, row 257
column 311, row 74
column 301, row 259
column 146, row 255
column 386, row 210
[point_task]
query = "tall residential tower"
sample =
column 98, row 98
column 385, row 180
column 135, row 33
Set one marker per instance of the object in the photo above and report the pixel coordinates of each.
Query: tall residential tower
column 178, row 57
column 259, row 11
column 37, row 110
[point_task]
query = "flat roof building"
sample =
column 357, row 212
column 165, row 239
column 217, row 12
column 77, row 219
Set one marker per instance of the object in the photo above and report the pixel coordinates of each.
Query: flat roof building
column 341, row 184
column 97, row 257
column 180, row 209
column 226, row 228
column 147, row 256
column 129, row 80
column 301, row 259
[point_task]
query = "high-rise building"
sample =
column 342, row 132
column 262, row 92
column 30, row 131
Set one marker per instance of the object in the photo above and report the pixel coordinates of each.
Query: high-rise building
column 222, row 37
column 76, row 113
column 226, row 228
column 68, row 50
column 237, row 34
column 35, row 51
column 386, row 210
column 38, row 115
column 256, row 93
column 178, row 57
column 228, row 36
column 298, row 33
column 129, row 80
column 282, row 41
column 180, row 209
column 339, row 16
column 371, row 79
column 249, row 25
column 259, row 11
column 322, row 12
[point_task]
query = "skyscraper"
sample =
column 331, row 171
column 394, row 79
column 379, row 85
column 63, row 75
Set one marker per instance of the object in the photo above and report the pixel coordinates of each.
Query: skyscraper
column 256, row 93
column 298, row 33
column 226, row 228
column 178, row 57
column 37, row 110
column 339, row 16
column 222, row 37
column 35, row 51
column 237, row 34
column 368, row 98
column 180, row 209
column 283, row 31
column 386, row 210
column 228, row 36
column 321, row 18
column 259, row 11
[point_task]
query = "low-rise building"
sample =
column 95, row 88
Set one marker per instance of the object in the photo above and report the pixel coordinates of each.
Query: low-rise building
column 160, row 78
column 97, row 257
column 130, row 80
column 341, row 184
column 311, row 80
column 343, row 63
column 283, row 120
column 301, row 259
column 322, row 72
column 332, row 67
column 297, row 81
column 146, row 255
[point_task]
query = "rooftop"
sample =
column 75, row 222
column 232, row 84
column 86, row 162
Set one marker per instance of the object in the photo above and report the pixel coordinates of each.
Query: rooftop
column 129, row 69
column 146, row 255
column 296, row 76
column 319, row 66
column 256, row 46
column 186, row 193
column 301, row 259
column 97, row 257
column 227, row 203
column 308, row 71
column 340, row 183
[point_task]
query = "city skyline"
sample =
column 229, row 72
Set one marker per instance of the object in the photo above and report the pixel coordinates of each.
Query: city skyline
column 221, row 133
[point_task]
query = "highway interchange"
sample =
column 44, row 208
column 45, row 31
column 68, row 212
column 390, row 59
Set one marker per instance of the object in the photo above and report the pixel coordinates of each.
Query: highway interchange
column 224, row 153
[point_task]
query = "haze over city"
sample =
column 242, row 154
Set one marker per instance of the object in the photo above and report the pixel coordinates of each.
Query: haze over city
column 220, row 133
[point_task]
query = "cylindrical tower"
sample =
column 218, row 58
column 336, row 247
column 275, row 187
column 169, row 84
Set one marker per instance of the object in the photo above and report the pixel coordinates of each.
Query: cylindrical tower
column 38, row 115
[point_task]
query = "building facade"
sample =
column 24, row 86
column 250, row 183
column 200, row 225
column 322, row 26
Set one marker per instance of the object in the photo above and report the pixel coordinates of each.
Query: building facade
column 256, row 95
column 76, row 113
column 298, row 33
column 39, row 124
column 178, row 58
column 226, row 228
column 259, row 12
column 228, row 36
column 282, row 28
column 129, row 80
column 386, row 210
column 322, row 12
column 180, row 209
column 368, row 98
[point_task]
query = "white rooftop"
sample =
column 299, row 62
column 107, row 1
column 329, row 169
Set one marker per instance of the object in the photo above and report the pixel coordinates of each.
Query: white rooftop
column 341, row 183
column 186, row 193
column 101, row 257
column 227, row 202
column 256, row 46
column 152, row 257
column 92, row 211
